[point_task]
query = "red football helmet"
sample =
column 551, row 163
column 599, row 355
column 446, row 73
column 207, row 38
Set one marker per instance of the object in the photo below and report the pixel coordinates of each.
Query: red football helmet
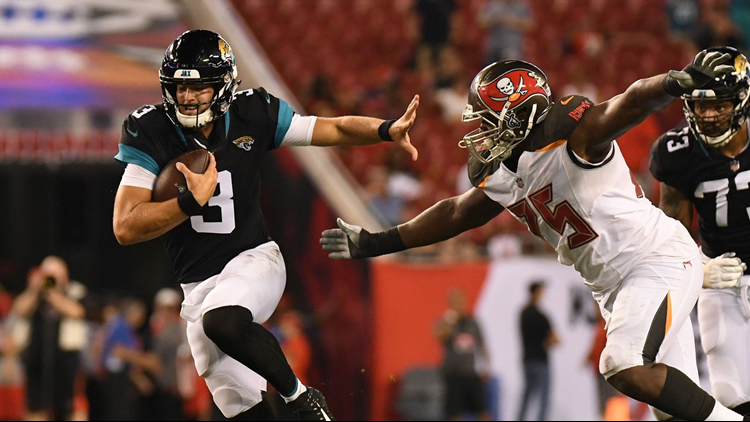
column 509, row 98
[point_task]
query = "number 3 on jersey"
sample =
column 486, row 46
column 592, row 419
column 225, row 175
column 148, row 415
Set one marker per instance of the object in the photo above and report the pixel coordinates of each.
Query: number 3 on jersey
column 225, row 202
column 557, row 217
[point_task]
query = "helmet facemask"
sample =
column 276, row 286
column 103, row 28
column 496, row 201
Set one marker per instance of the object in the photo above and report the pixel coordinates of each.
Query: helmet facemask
column 224, row 90
column 717, row 130
column 490, row 141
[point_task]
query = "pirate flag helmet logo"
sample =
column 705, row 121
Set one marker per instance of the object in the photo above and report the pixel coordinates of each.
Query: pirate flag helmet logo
column 507, row 98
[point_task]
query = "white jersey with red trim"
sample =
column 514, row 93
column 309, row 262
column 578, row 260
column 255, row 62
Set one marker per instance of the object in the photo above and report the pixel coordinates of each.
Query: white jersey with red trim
column 595, row 216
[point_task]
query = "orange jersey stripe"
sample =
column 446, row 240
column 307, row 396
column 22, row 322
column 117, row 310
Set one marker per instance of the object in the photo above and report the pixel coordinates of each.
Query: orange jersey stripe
column 553, row 145
column 669, row 314
column 484, row 182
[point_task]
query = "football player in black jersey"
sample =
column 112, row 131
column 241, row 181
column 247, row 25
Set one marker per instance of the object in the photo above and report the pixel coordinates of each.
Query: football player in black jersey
column 707, row 165
column 524, row 145
column 232, row 273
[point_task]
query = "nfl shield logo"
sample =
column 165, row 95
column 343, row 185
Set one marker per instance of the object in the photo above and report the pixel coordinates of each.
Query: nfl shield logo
column 519, row 183
column 735, row 166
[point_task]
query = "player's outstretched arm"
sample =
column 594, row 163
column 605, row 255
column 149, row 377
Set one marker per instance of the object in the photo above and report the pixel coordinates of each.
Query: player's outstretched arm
column 606, row 121
column 444, row 220
column 136, row 219
column 360, row 130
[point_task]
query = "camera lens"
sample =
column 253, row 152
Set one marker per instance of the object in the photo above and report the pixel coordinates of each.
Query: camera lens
column 49, row 282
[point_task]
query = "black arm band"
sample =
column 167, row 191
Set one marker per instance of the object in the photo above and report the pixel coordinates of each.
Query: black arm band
column 382, row 243
column 384, row 128
column 189, row 205
column 672, row 87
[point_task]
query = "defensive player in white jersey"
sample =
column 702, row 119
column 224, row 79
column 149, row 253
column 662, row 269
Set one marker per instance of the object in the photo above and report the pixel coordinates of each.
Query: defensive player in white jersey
column 558, row 168
column 707, row 164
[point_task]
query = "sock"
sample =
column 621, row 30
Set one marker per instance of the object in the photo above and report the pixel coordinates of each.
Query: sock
column 683, row 399
column 233, row 331
column 298, row 390
column 721, row 413
column 743, row 409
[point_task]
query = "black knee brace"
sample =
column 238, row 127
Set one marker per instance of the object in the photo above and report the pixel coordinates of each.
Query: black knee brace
column 226, row 325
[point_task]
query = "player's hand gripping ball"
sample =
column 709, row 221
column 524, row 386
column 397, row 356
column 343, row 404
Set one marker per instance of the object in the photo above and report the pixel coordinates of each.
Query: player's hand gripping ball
column 170, row 183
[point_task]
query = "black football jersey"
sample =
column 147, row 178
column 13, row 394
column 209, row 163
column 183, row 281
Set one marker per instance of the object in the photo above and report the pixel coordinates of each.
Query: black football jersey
column 232, row 221
column 718, row 186
column 560, row 121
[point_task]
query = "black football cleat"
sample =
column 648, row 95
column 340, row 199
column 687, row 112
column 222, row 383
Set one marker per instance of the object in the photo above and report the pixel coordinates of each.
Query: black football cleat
column 311, row 406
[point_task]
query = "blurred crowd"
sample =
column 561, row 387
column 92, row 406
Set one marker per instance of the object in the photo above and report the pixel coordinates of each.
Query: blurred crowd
column 434, row 48
column 70, row 354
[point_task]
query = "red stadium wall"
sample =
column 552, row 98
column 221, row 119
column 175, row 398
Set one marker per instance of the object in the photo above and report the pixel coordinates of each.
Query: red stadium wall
column 407, row 300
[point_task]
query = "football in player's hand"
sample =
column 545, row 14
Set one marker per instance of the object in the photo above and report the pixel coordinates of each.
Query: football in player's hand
column 170, row 183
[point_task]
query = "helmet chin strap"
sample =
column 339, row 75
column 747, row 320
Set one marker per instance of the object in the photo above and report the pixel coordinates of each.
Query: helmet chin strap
column 200, row 120
column 724, row 138
column 719, row 141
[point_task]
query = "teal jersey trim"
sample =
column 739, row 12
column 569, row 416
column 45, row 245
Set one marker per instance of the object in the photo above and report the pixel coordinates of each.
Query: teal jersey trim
column 284, row 121
column 182, row 135
column 130, row 155
column 226, row 124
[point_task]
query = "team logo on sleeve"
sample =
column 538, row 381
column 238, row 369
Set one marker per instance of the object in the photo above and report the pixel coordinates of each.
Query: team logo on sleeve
column 245, row 142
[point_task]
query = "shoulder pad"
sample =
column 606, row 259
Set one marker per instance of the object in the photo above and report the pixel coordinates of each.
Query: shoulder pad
column 561, row 119
column 671, row 152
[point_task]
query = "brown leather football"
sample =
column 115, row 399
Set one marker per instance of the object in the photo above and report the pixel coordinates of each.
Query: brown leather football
column 170, row 183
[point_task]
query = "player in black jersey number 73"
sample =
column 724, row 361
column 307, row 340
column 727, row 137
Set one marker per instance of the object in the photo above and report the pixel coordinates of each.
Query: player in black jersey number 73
column 707, row 165
column 231, row 272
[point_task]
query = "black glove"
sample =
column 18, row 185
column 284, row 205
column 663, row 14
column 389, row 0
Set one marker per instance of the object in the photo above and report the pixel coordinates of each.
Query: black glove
column 705, row 66
column 354, row 242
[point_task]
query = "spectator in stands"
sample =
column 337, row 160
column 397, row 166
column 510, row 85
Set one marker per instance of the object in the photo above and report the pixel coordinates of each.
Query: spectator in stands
column 580, row 84
column 684, row 18
column 402, row 183
column 435, row 19
column 450, row 67
column 6, row 302
column 538, row 337
column 295, row 344
column 507, row 22
column 122, row 383
column 385, row 205
column 740, row 14
column 12, row 401
column 458, row 249
column 318, row 96
column 168, row 334
column 505, row 243
column 603, row 389
column 51, row 304
column 452, row 100
column 721, row 30
column 464, row 353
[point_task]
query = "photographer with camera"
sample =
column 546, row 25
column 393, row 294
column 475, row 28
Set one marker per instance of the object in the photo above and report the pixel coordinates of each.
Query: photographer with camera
column 51, row 305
